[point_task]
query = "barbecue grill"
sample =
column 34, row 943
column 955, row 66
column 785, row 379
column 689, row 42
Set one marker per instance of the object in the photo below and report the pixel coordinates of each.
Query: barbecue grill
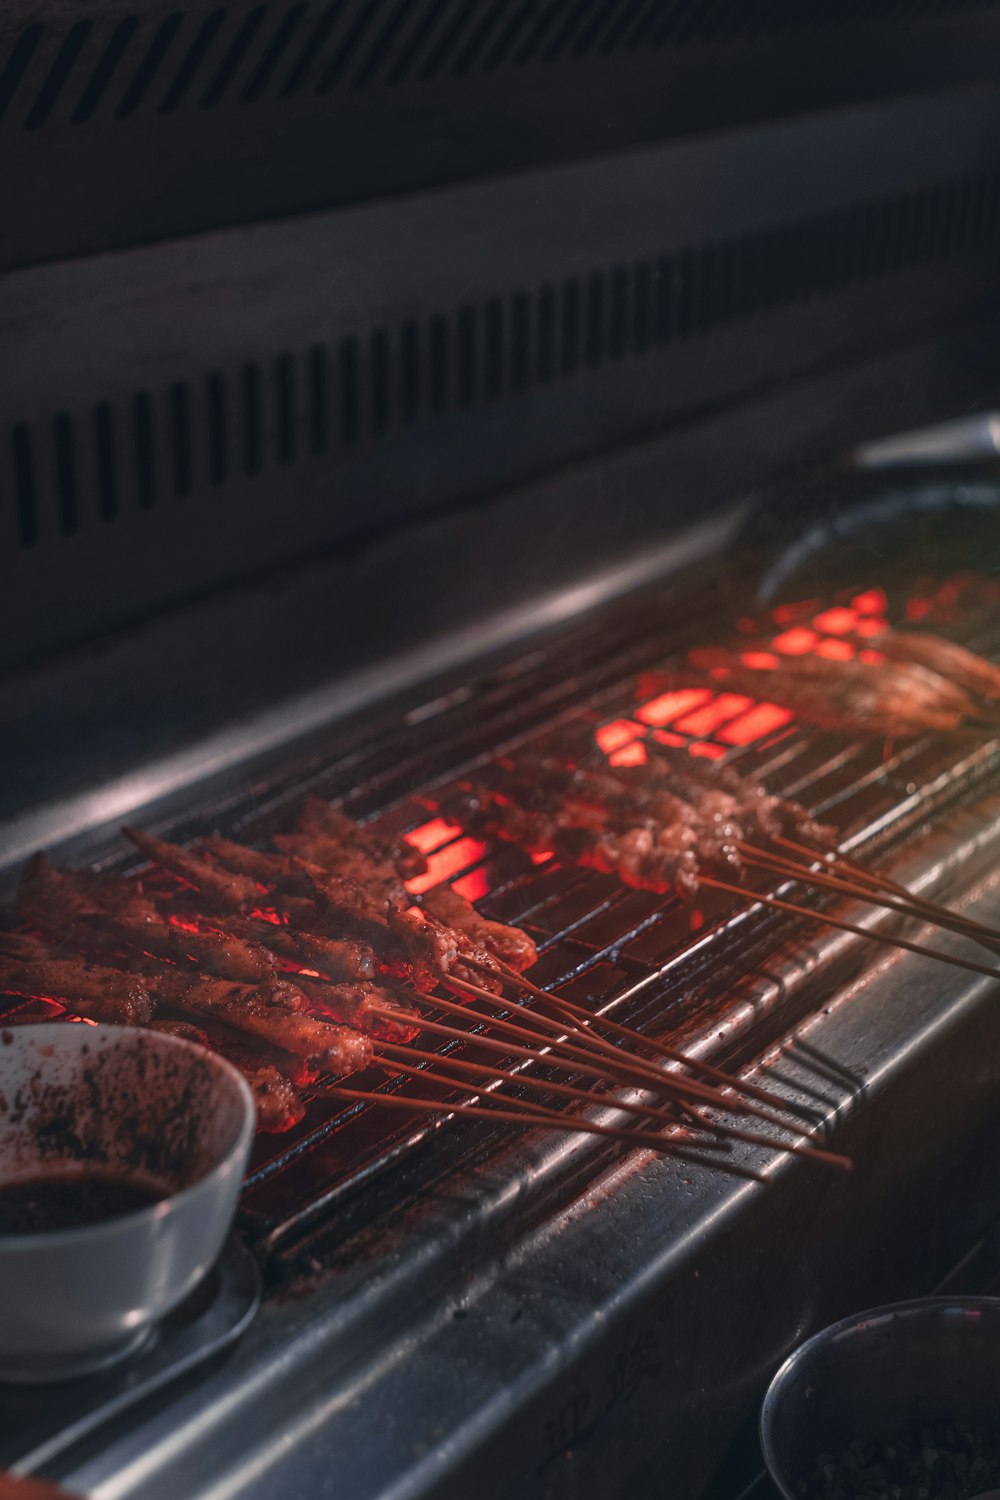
column 391, row 388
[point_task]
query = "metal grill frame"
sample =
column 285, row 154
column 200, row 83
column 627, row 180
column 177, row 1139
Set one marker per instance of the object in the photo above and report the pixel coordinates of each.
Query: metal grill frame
column 699, row 987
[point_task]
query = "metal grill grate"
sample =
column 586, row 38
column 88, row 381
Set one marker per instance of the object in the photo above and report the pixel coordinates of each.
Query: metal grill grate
column 651, row 959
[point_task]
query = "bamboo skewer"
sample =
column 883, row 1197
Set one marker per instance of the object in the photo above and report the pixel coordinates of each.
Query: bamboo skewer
column 749, row 1137
column 633, row 1072
column 924, row 912
column 587, row 1021
column 397, row 1057
column 538, row 1116
column 839, row 922
column 989, row 936
column 651, row 1074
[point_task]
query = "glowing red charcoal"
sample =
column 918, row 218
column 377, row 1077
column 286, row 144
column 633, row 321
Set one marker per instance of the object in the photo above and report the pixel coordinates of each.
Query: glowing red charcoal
column 629, row 755
column 670, row 706
column 473, row 885
column 445, row 863
column 432, row 835
column 835, row 650
column 836, row 621
column 706, row 751
column 786, row 613
column 616, row 734
column 762, row 719
column 871, row 602
column 795, row 642
column 724, row 706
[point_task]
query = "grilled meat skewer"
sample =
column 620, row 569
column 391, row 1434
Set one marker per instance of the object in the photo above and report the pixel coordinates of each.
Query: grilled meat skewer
column 102, row 914
column 224, row 888
column 317, row 819
column 274, row 1012
column 357, row 1005
column 29, row 969
column 853, row 696
column 509, row 944
column 328, row 906
column 279, row 1104
column 949, row 660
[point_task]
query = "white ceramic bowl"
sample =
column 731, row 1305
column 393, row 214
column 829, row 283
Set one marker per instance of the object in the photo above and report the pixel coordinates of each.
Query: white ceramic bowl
column 139, row 1104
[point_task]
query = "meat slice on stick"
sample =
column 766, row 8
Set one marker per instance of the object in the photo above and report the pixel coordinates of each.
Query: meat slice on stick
column 101, row 913
column 279, row 1104
column 224, row 889
column 87, row 989
column 509, row 944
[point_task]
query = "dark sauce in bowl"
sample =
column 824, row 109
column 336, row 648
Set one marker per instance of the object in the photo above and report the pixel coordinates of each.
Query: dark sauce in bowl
column 70, row 1200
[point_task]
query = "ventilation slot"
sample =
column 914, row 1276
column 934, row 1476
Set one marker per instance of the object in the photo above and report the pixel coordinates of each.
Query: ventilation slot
column 230, row 64
column 102, row 75
column 61, row 68
column 594, row 26
column 564, row 36
column 381, row 50
column 493, row 354
column 466, row 356
column 145, row 454
column 65, row 469
column 299, row 70
column 501, row 49
column 441, row 54
column 150, row 65
column 419, row 38
column 284, row 401
column 409, row 372
column 380, row 381
column 107, row 467
column 618, row 325
column 253, row 429
column 180, row 438
column 569, row 356
column 520, row 341
column 193, row 59
column 24, row 486
column 528, row 49
column 439, row 364
column 546, row 344
column 16, row 65
column 479, row 38
column 272, row 55
column 349, row 394
column 218, row 435
column 319, row 426
column 627, row 17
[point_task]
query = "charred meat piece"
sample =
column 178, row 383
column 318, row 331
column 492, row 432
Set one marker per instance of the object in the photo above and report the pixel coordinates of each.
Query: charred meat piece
column 334, row 958
column 318, row 819
column 224, row 889
column 343, row 860
column 342, row 909
column 279, row 1104
column 956, row 663
column 104, row 914
column 356, row 1004
column 647, row 857
column 273, row 1012
column 85, row 988
column 853, row 697
column 509, row 944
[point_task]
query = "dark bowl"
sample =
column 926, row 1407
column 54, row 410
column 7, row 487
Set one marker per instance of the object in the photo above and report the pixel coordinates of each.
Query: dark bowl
column 878, row 1374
